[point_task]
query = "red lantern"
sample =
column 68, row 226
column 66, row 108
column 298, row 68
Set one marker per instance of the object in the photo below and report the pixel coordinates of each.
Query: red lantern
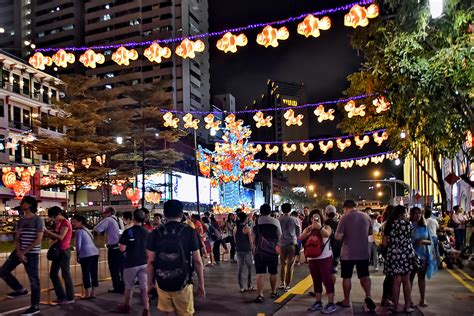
column 8, row 178
column 117, row 189
column 133, row 195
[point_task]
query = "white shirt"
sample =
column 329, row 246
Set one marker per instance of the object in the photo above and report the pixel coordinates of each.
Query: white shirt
column 376, row 229
column 432, row 225
column 327, row 251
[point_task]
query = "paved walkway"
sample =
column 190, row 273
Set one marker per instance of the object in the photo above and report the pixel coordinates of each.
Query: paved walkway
column 448, row 293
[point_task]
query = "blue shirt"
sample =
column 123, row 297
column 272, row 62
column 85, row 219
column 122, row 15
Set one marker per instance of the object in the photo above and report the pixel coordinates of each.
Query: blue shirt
column 85, row 246
column 112, row 227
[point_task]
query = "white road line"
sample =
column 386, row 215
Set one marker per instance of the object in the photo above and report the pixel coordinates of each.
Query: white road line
column 15, row 310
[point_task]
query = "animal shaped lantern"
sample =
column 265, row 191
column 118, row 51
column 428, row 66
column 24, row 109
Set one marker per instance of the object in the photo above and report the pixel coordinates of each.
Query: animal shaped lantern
column 270, row 36
column 210, row 123
column 311, row 25
column 306, row 148
column 123, row 56
column 289, row 149
column 39, row 61
column 353, row 110
column 229, row 42
column 291, row 119
column 170, row 121
column 379, row 139
column 324, row 115
column 261, row 120
column 189, row 122
column 156, row 53
column 325, row 146
column 359, row 15
column 61, row 58
column 381, row 104
column 188, row 48
column 360, row 142
column 91, row 58
column 271, row 150
column 343, row 144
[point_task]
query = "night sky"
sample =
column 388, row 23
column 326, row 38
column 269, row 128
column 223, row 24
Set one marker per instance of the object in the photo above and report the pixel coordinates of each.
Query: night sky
column 322, row 64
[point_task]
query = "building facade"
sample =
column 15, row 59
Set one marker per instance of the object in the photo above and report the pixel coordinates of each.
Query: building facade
column 26, row 95
column 16, row 26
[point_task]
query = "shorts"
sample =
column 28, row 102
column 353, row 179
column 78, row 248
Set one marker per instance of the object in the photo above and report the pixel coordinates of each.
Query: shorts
column 135, row 273
column 347, row 267
column 180, row 302
column 264, row 264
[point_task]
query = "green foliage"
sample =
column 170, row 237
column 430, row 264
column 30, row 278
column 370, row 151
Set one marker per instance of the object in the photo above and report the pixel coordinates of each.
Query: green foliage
column 424, row 68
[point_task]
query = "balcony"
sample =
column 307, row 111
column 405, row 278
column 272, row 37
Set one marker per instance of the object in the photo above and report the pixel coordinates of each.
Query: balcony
column 27, row 93
column 19, row 125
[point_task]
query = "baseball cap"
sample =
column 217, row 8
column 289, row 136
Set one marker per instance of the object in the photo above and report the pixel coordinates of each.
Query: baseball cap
column 330, row 209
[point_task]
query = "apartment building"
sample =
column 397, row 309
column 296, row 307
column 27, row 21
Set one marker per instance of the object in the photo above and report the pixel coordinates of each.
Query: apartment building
column 26, row 95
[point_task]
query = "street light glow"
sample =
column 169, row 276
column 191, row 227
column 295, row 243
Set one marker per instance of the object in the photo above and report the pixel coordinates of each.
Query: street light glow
column 380, row 193
column 378, row 185
column 398, row 162
column 213, row 132
column 329, row 194
column 311, row 187
column 376, row 173
column 119, row 140
column 2, row 30
column 436, row 8
column 27, row 43
column 403, row 135
column 315, row 195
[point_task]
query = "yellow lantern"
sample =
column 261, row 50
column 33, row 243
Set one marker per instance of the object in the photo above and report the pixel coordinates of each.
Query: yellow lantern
column 155, row 53
column 360, row 142
column 261, row 120
column 170, row 121
column 312, row 25
column 61, row 58
column 306, row 148
column 189, row 122
column 123, row 56
column 343, row 144
column 38, row 61
column 359, row 15
column 270, row 36
column 229, row 42
column 91, row 58
column 325, row 146
column 353, row 110
column 289, row 149
column 324, row 115
column 188, row 48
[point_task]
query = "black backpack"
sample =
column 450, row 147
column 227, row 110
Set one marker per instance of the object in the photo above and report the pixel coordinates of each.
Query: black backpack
column 172, row 263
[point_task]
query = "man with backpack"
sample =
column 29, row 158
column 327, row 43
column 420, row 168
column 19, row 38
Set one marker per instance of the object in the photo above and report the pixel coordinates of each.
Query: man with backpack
column 113, row 226
column 266, row 238
column 173, row 254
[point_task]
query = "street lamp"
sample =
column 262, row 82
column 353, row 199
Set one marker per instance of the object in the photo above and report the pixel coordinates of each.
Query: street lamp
column 380, row 193
column 315, row 195
column 311, row 187
column 345, row 192
column 119, row 140
column 2, row 30
column 403, row 134
column 376, row 173
column 329, row 194
column 436, row 8
column 398, row 162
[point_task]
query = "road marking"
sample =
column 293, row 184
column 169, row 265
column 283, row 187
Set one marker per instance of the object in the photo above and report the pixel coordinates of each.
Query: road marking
column 466, row 275
column 300, row 288
column 15, row 310
column 460, row 280
column 261, row 314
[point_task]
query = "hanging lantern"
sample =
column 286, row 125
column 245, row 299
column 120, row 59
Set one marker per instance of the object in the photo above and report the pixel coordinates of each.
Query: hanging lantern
column 255, row 149
column 360, row 142
column 123, row 56
column 289, row 149
column 362, row 162
column 8, row 177
column 316, row 166
column 261, row 120
column 211, row 124
column 324, row 115
column 44, row 169
column 353, row 110
column 188, row 48
column 270, row 36
column 271, row 150
column 312, row 25
column 379, row 139
column 381, row 104
column 61, row 58
column 325, row 146
column 306, row 148
column 291, row 119
column 155, row 53
column 91, row 58
column 273, row 166
column 359, row 15
column 86, row 162
column 229, row 42
column 343, row 144
column 377, row 159
column 133, row 195
column 189, row 122
column 331, row 165
column 170, row 121
column 38, row 61
column 347, row 164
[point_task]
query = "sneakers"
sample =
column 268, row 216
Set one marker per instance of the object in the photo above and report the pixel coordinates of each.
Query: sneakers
column 62, row 302
column 33, row 310
column 282, row 286
column 16, row 294
column 330, row 308
column 317, row 306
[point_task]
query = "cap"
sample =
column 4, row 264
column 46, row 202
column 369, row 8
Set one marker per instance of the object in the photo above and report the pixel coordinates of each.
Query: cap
column 330, row 209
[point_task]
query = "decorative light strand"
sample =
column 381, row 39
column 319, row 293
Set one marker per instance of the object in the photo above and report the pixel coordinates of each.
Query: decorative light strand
column 208, row 34
column 394, row 153
column 316, row 139
column 357, row 97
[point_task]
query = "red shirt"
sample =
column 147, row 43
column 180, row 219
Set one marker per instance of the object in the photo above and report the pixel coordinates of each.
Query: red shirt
column 200, row 230
column 148, row 227
column 66, row 242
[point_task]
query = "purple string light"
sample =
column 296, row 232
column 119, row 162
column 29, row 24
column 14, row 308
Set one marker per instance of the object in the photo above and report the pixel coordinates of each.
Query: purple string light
column 207, row 34
column 327, row 161
column 357, row 97
column 316, row 139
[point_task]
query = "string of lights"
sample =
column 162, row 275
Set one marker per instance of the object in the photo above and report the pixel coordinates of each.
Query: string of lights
column 389, row 153
column 208, row 34
column 315, row 139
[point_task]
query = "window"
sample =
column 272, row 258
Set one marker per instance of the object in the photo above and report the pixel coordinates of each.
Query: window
column 26, row 86
column 5, row 78
column 166, row 16
column 45, row 94
column 26, row 153
column 2, row 143
column 44, row 120
column 26, row 118
column 2, row 107
column 16, row 83
column 16, row 117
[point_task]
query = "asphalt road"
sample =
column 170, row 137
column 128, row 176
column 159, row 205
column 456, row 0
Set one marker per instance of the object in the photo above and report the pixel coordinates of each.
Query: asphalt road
column 448, row 293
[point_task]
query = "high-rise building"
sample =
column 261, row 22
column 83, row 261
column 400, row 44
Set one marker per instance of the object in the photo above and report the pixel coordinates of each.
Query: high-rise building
column 15, row 27
column 279, row 95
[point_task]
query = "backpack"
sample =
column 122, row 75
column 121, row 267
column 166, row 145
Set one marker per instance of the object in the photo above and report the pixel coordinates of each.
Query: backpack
column 172, row 264
column 314, row 246
column 266, row 246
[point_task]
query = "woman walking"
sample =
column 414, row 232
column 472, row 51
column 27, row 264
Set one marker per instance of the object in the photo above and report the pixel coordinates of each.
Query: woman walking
column 421, row 242
column 87, row 255
column 62, row 235
column 318, row 251
column 216, row 235
column 244, row 251
column 401, row 257
column 229, row 228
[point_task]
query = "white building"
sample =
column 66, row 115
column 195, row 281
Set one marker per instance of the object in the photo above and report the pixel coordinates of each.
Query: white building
column 25, row 100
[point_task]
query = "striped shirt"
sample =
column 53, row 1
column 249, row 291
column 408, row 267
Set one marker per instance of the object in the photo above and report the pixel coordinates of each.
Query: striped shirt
column 29, row 229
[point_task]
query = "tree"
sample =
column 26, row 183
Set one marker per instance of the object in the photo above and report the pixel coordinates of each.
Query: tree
column 424, row 68
column 145, row 147
column 80, row 120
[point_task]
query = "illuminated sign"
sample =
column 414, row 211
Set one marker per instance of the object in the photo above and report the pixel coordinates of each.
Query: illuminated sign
column 290, row 102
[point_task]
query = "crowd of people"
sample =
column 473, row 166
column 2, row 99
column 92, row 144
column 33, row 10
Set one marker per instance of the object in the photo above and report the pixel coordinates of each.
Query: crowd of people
column 163, row 255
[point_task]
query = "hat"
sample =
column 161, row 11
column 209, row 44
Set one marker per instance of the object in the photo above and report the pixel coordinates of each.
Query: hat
column 330, row 209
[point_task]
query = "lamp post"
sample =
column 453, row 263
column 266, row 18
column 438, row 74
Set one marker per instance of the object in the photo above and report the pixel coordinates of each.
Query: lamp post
column 377, row 173
column 345, row 191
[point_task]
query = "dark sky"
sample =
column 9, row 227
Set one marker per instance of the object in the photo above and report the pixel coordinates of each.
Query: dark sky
column 322, row 63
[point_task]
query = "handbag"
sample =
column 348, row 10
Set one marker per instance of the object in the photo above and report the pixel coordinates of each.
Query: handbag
column 53, row 252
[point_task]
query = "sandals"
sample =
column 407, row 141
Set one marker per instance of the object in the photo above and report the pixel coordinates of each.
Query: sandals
column 341, row 304
column 423, row 304
column 274, row 295
column 259, row 299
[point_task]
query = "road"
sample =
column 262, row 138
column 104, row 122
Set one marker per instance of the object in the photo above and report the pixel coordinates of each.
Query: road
column 448, row 293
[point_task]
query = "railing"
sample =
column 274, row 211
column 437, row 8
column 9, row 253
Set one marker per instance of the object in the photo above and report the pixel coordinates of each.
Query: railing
column 47, row 290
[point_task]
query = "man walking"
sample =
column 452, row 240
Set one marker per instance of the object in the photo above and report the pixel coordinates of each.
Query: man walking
column 354, row 229
column 266, row 238
column 173, row 254
column 29, row 232
column 112, row 227
column 133, row 243
column 290, row 230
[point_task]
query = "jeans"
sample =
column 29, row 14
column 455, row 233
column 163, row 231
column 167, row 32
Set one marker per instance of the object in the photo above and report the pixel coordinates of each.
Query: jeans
column 245, row 259
column 115, row 258
column 459, row 238
column 216, row 250
column 32, row 270
column 374, row 254
column 89, row 268
column 231, row 240
column 287, row 262
column 62, row 262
